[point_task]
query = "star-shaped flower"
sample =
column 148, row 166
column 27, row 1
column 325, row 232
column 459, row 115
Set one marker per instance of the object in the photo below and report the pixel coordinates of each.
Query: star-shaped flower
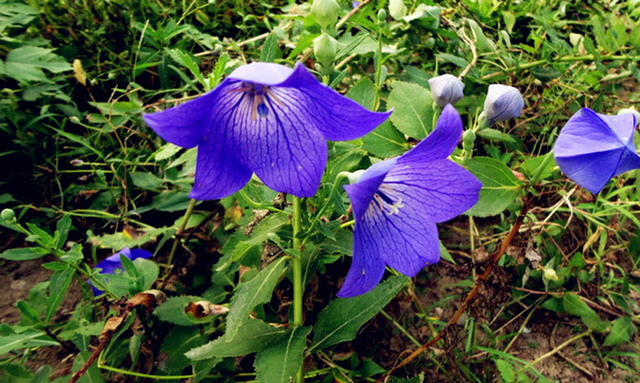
column 113, row 265
column 397, row 203
column 592, row 148
column 266, row 119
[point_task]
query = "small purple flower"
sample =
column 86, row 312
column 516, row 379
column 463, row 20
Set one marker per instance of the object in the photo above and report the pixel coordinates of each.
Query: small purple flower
column 266, row 119
column 397, row 203
column 592, row 148
column 113, row 265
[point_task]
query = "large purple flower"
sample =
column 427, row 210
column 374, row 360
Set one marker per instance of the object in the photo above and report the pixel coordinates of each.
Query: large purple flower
column 592, row 148
column 113, row 265
column 397, row 203
column 266, row 119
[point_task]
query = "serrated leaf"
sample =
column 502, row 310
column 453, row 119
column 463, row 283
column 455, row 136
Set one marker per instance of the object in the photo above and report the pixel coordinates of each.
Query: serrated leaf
column 24, row 340
column 145, row 180
column 412, row 109
column 58, row 286
column 341, row 319
column 500, row 187
column 575, row 306
column 176, row 344
column 119, row 241
column 260, row 234
column 24, row 253
column 173, row 311
column 506, row 371
column 14, row 13
column 385, row 141
column 148, row 272
column 253, row 336
column 252, row 293
column 621, row 332
column 280, row 361
column 364, row 93
column 184, row 59
column 269, row 49
column 62, row 231
column 532, row 165
column 26, row 63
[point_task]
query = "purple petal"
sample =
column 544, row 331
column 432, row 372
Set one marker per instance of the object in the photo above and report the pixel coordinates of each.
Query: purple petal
column 185, row 124
column 586, row 132
column 436, row 191
column 262, row 73
column 439, row 143
column 623, row 125
column 629, row 161
column 592, row 171
column 367, row 268
column 335, row 116
column 361, row 193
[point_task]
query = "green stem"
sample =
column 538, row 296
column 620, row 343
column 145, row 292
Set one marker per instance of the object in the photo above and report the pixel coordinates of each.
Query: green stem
column 183, row 225
column 324, row 207
column 296, row 265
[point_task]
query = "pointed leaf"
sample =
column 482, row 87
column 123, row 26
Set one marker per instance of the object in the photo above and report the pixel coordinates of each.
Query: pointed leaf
column 500, row 187
column 279, row 362
column 341, row 319
column 58, row 287
column 621, row 332
column 412, row 109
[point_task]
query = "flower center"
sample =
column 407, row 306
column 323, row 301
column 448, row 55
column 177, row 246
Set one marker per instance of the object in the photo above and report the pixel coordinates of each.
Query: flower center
column 257, row 98
column 384, row 200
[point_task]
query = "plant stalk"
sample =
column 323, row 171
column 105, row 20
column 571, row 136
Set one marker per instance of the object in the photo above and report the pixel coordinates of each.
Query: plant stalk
column 296, row 265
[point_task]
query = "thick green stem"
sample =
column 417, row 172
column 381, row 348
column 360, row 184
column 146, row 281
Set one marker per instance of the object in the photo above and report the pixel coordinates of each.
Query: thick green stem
column 541, row 168
column 183, row 226
column 296, row 266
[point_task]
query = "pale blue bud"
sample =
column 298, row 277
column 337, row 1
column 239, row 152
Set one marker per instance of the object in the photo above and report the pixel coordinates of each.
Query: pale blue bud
column 446, row 89
column 503, row 102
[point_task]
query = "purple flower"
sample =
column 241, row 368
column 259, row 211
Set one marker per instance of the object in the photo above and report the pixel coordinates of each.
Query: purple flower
column 113, row 265
column 592, row 148
column 266, row 119
column 397, row 203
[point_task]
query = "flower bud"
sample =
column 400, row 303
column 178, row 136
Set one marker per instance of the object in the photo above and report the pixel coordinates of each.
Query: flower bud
column 382, row 15
column 397, row 9
column 550, row 275
column 325, row 12
column 502, row 103
column 633, row 111
column 74, row 119
column 446, row 89
column 325, row 48
column 8, row 215
column 468, row 138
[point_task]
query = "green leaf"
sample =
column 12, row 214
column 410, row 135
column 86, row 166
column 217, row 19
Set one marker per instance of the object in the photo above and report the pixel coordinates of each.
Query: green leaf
column 364, row 93
column 148, row 272
column 279, row 362
column 145, row 180
column 530, row 166
column 385, row 141
column 93, row 373
column 42, row 235
column 119, row 241
column 412, row 109
column 500, row 187
column 269, row 49
column 621, row 332
column 506, row 371
column 573, row 305
column 25, row 64
column 15, row 13
column 496, row 135
column 341, row 319
column 173, row 311
column 25, row 340
column 253, row 336
column 261, row 233
column 252, row 293
column 62, row 231
column 24, row 253
column 59, row 284
column 179, row 341
column 444, row 253
column 184, row 59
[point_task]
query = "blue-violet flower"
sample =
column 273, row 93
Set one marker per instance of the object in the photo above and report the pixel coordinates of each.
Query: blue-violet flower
column 264, row 118
column 446, row 89
column 503, row 102
column 113, row 265
column 397, row 203
column 592, row 148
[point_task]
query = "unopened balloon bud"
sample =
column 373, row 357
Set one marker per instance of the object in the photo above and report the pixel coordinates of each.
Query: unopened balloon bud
column 502, row 103
column 446, row 89
column 325, row 12
column 325, row 49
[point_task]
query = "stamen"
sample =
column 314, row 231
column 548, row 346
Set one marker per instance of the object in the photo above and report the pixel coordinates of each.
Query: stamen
column 386, row 203
column 257, row 98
